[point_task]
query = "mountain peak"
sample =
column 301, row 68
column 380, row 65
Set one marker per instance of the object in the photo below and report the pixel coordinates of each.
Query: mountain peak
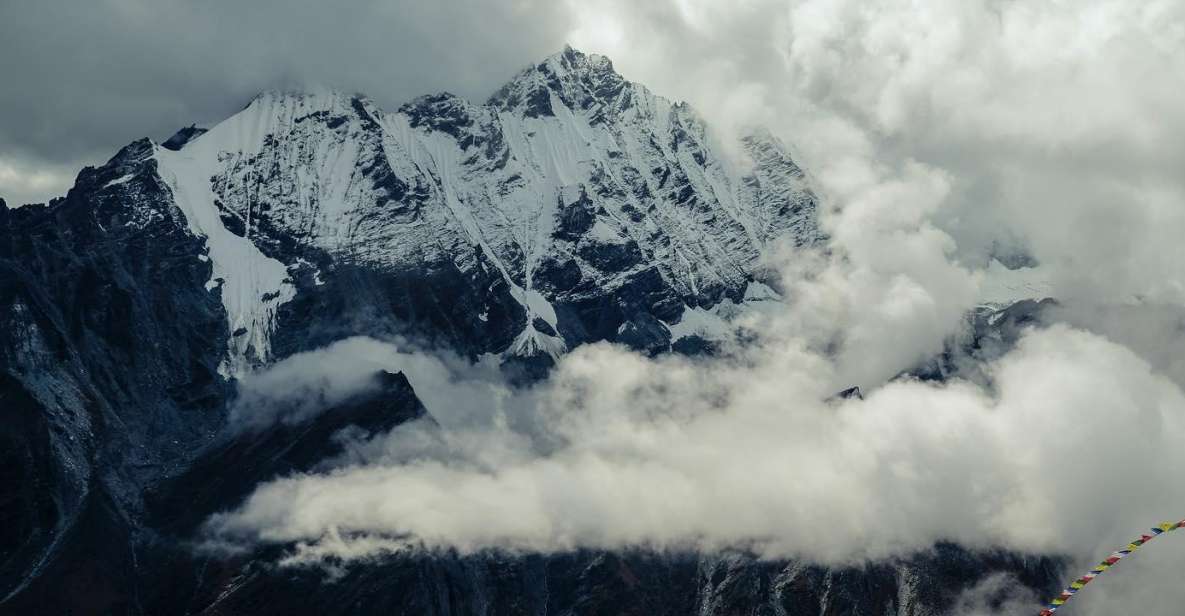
column 578, row 80
column 572, row 60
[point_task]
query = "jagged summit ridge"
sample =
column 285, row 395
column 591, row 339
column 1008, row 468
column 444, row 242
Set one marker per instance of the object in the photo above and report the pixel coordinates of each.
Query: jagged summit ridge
column 582, row 192
column 584, row 82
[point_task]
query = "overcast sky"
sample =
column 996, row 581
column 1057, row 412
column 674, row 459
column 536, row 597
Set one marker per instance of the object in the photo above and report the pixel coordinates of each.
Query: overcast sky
column 78, row 80
column 935, row 129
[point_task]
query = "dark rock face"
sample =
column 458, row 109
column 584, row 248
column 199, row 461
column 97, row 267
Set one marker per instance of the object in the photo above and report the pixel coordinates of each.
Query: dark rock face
column 38, row 490
column 436, row 305
column 182, row 137
column 849, row 393
column 597, row 583
column 148, row 565
column 645, row 334
column 109, row 347
column 115, row 317
column 575, row 218
column 989, row 333
column 180, row 503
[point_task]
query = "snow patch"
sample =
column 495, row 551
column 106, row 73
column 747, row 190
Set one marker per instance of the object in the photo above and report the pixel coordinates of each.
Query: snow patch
column 119, row 180
column 536, row 304
column 602, row 233
column 756, row 291
column 705, row 323
column 532, row 342
column 999, row 285
column 721, row 321
column 252, row 285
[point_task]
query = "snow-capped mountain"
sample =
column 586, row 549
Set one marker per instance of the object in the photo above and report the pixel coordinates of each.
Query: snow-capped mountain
column 572, row 206
column 597, row 204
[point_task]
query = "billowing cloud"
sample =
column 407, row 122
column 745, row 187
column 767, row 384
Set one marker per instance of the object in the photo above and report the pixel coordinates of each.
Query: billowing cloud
column 1055, row 128
column 294, row 390
column 1073, row 447
column 680, row 449
column 1049, row 128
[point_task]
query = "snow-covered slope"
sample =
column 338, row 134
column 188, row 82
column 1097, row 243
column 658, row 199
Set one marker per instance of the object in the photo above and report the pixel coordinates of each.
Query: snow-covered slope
column 1003, row 286
column 251, row 284
column 576, row 187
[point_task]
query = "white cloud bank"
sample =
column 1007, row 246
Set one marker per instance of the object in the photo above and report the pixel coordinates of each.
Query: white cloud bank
column 1077, row 445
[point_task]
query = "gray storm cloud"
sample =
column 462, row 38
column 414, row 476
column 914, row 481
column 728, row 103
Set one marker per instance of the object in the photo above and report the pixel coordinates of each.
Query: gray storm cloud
column 78, row 80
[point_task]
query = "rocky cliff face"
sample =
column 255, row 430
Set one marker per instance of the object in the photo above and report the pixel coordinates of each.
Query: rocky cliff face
column 573, row 206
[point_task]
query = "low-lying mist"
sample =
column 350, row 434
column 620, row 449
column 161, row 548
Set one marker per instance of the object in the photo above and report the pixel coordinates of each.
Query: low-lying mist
column 1072, row 447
